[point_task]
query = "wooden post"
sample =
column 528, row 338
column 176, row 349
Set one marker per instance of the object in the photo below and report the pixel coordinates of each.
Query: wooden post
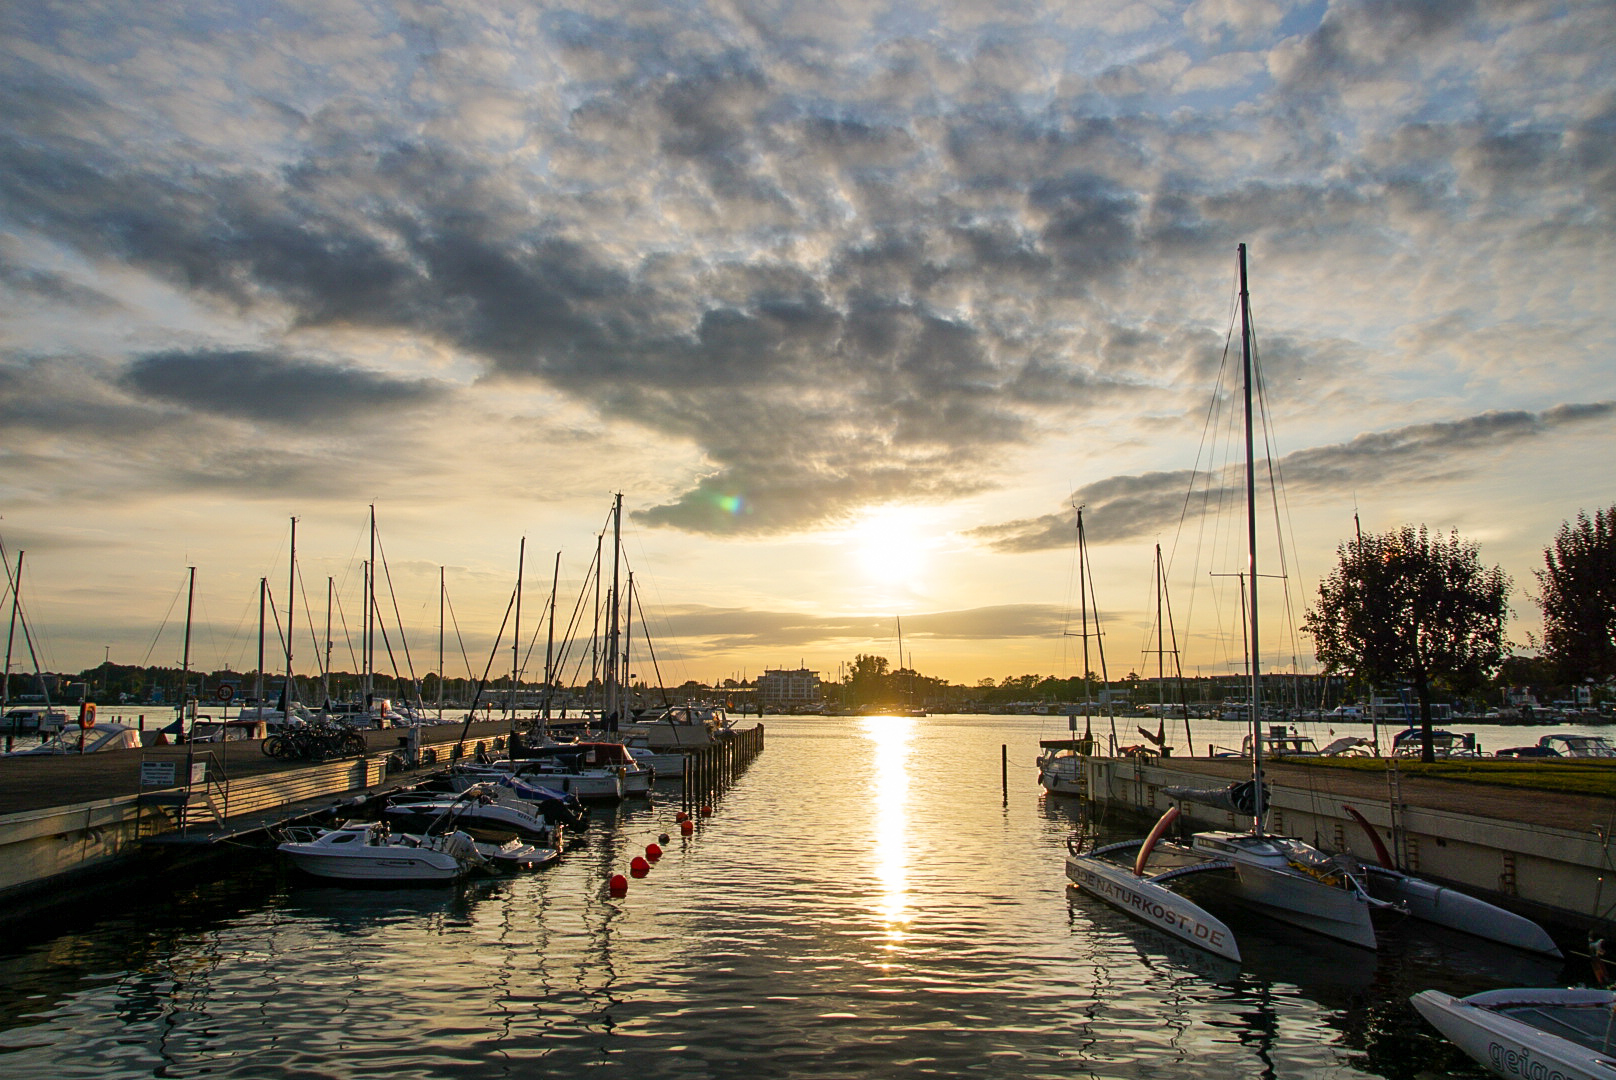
column 1004, row 771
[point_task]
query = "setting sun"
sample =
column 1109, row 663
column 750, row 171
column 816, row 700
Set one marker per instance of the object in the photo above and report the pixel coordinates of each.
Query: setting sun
column 891, row 545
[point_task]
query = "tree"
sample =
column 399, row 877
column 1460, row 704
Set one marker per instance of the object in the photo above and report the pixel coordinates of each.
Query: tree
column 1579, row 598
column 1407, row 605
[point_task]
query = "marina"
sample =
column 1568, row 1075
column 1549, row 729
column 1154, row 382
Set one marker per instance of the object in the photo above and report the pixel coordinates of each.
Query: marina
column 868, row 895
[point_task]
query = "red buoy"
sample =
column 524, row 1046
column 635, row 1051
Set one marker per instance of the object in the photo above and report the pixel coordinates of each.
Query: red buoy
column 653, row 852
column 639, row 867
column 681, row 816
column 619, row 885
column 706, row 810
column 687, row 827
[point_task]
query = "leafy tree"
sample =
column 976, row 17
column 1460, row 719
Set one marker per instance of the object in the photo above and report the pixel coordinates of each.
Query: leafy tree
column 1579, row 597
column 1409, row 606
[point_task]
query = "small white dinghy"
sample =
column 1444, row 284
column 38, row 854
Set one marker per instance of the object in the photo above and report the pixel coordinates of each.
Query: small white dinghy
column 1530, row 1032
column 370, row 852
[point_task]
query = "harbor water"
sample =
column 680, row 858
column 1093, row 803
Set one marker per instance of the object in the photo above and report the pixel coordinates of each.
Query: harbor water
column 864, row 901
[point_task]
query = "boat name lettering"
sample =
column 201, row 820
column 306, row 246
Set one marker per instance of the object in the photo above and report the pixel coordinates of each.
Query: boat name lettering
column 1124, row 896
column 1517, row 1061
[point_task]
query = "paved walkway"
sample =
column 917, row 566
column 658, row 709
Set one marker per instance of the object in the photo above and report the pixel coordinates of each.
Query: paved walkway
column 38, row 782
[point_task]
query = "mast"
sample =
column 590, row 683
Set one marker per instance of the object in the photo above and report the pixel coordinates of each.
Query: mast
column 1251, row 552
column 263, row 609
column 185, row 661
column 549, row 644
column 291, row 625
column 369, row 621
column 516, row 631
column 11, row 636
column 325, row 677
column 625, row 684
column 440, row 644
column 612, row 689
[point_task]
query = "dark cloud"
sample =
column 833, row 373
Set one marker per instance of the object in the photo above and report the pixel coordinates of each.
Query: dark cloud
column 1122, row 508
column 269, row 388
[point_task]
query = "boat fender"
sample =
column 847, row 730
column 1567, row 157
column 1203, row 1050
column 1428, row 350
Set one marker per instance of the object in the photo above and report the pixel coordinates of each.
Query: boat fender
column 1156, row 834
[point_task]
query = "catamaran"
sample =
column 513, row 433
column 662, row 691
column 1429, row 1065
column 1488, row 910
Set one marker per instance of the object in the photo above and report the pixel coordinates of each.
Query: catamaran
column 1283, row 878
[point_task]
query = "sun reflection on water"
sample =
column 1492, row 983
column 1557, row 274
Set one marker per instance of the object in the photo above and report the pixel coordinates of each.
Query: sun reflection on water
column 892, row 736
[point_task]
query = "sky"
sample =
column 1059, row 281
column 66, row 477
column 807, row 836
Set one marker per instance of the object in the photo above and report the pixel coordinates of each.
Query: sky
column 853, row 303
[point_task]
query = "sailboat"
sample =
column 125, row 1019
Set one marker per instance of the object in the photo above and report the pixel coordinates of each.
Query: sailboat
column 1060, row 767
column 1284, row 879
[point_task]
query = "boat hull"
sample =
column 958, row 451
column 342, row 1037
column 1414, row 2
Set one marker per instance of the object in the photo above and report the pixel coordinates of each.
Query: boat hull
column 1448, row 907
column 1268, row 882
column 1512, row 1048
column 1152, row 904
column 393, row 868
column 1063, row 775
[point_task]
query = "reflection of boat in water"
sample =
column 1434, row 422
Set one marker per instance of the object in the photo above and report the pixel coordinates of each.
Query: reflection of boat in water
column 1530, row 1032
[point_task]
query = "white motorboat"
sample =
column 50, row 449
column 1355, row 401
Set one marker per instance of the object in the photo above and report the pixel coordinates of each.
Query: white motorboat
column 666, row 765
column 370, row 852
column 482, row 811
column 1530, row 1032
column 589, row 770
column 91, row 740
column 679, row 726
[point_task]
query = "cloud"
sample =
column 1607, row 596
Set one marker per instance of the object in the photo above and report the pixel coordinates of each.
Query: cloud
column 1122, row 508
column 270, row 388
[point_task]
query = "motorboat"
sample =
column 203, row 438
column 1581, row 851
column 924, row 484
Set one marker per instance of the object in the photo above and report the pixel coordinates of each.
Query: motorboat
column 1551, row 1032
column 679, row 727
column 1578, row 746
column 589, row 770
column 34, row 720
column 91, row 740
column 482, row 811
column 666, row 764
column 370, row 852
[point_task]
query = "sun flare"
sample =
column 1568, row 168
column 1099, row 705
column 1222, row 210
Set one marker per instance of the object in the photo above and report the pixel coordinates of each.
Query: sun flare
column 891, row 545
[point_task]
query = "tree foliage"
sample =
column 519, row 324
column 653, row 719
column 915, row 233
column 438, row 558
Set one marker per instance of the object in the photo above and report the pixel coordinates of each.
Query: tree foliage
column 1579, row 597
column 1407, row 606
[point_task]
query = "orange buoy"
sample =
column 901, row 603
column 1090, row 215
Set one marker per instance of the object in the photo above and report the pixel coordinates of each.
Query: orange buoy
column 619, row 885
column 681, row 816
column 653, row 852
column 706, row 810
column 687, row 827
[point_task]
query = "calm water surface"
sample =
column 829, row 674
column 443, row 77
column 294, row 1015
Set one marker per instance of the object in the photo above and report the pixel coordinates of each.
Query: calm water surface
column 862, row 903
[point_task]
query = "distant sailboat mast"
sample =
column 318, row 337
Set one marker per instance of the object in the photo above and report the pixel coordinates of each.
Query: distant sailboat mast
column 291, row 623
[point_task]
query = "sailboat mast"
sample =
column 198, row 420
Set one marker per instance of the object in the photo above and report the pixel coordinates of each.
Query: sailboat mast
column 11, row 636
column 263, row 605
column 612, row 689
column 549, row 644
column 440, row 643
column 185, row 661
column 1251, row 550
column 370, row 616
column 516, row 631
column 325, row 679
column 626, row 683
column 291, row 623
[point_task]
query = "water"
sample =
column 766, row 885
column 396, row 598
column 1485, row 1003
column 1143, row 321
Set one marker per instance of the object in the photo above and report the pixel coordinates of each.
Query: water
column 862, row 903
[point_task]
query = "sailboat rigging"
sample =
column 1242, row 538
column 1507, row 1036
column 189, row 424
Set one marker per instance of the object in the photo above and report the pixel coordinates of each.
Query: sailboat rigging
column 1283, row 878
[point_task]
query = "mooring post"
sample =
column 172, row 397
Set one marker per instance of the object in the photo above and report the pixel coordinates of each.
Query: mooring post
column 1004, row 771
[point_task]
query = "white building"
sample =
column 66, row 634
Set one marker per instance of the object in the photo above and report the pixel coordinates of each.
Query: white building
column 786, row 688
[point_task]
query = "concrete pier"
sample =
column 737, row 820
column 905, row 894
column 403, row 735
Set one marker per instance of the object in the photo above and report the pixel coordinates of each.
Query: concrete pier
column 1545, row 854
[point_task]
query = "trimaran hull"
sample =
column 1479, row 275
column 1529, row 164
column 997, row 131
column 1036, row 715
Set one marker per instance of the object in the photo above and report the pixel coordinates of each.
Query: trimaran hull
column 1152, row 903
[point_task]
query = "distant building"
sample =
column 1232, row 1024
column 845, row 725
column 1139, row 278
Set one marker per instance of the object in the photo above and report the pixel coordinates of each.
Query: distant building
column 787, row 688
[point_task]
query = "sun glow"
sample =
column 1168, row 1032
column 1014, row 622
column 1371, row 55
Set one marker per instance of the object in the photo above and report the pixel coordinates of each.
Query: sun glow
column 891, row 545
